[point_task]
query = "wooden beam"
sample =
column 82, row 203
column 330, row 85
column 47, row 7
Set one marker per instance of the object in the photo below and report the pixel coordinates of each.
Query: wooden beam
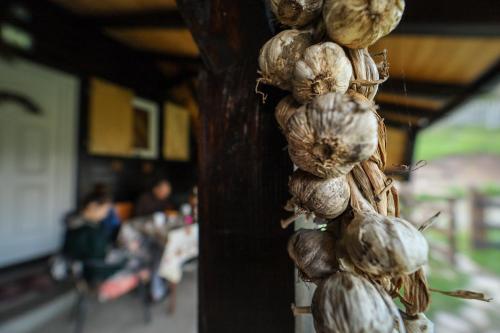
column 462, row 11
column 397, row 124
column 246, row 280
column 407, row 110
column 167, row 19
column 157, row 56
column 458, row 19
column 449, row 29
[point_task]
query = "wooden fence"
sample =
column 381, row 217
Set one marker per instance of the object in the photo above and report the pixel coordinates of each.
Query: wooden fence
column 481, row 226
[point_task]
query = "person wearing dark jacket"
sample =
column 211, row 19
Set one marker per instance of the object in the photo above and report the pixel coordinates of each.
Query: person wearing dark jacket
column 88, row 240
column 157, row 199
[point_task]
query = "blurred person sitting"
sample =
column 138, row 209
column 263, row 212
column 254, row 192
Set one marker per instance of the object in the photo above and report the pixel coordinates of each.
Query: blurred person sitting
column 157, row 199
column 88, row 239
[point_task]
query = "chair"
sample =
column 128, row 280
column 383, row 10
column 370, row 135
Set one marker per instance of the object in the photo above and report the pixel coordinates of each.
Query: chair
column 124, row 210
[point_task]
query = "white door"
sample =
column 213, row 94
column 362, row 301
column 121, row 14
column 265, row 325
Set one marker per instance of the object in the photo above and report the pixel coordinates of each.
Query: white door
column 37, row 160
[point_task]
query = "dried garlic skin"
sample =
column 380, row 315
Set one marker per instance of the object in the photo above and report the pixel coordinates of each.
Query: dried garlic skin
column 379, row 245
column 296, row 13
column 416, row 292
column 284, row 110
column 322, row 69
column 364, row 68
column 313, row 252
column 332, row 133
column 326, row 198
column 420, row 324
column 360, row 23
column 278, row 57
column 347, row 303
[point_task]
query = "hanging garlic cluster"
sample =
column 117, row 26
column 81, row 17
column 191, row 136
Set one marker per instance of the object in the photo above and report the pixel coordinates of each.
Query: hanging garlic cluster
column 366, row 255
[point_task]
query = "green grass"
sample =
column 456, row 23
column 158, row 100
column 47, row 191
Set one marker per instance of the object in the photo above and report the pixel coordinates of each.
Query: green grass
column 491, row 190
column 488, row 259
column 444, row 277
column 439, row 142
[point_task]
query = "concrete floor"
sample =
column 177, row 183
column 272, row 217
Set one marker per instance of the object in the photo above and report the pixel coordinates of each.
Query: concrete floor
column 125, row 314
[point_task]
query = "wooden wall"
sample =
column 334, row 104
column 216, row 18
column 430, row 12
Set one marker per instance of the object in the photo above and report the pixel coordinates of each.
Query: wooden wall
column 129, row 176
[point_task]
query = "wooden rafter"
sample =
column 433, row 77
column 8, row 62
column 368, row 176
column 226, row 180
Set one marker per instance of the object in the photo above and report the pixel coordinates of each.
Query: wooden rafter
column 165, row 57
column 407, row 110
column 169, row 18
column 462, row 11
column 421, row 88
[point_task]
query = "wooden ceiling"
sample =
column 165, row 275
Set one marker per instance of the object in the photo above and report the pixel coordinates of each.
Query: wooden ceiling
column 114, row 6
column 178, row 42
column 428, row 72
column 436, row 57
column 444, row 59
column 153, row 27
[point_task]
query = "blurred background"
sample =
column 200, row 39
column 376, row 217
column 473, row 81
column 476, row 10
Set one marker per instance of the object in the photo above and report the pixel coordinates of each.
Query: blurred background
column 99, row 134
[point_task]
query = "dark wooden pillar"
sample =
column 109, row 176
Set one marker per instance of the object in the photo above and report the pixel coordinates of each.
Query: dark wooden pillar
column 245, row 276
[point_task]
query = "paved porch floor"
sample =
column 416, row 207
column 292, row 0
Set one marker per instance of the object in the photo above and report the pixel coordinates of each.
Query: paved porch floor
column 125, row 314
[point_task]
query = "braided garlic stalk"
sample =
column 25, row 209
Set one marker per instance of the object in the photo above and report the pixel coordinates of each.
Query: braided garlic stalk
column 366, row 255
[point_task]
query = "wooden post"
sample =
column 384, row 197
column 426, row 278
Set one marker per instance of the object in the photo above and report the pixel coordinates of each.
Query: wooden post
column 478, row 230
column 452, row 231
column 246, row 281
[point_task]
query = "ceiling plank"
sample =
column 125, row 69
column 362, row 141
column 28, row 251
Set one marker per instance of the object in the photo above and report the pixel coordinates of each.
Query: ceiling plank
column 112, row 6
column 430, row 103
column 173, row 41
column 442, row 59
column 144, row 19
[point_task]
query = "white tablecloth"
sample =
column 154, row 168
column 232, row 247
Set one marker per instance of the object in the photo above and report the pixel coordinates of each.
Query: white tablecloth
column 182, row 245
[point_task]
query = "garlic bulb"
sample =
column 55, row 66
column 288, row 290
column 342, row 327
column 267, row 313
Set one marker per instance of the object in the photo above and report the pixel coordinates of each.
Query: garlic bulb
column 360, row 23
column 296, row 13
column 328, row 136
column 278, row 56
column 366, row 75
column 326, row 198
column 313, row 252
column 323, row 68
column 284, row 110
column 379, row 244
column 348, row 303
column 418, row 324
